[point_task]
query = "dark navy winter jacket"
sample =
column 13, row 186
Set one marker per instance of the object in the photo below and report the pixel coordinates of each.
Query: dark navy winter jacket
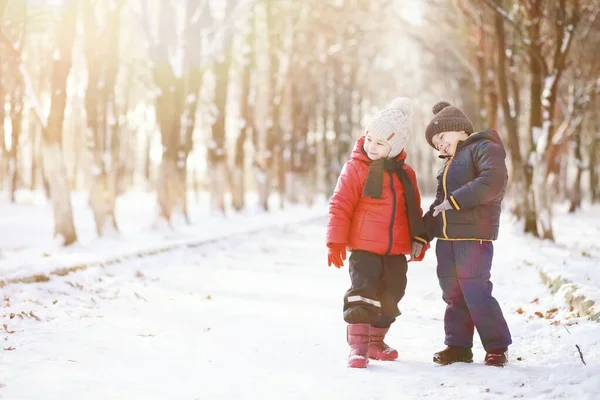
column 474, row 181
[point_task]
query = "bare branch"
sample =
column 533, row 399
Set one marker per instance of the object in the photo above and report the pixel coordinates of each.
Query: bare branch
column 567, row 129
column 580, row 354
column 523, row 37
column 509, row 18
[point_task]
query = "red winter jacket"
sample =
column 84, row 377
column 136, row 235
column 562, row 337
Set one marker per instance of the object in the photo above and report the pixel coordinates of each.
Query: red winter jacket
column 379, row 226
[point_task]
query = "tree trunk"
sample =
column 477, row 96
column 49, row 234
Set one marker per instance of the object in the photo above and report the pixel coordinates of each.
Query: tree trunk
column 273, row 152
column 16, row 117
column 217, row 152
column 169, row 187
column 293, row 157
column 247, row 101
column 310, row 157
column 35, row 154
column 3, row 149
column 77, row 128
column 191, row 80
column 594, row 148
column 113, row 164
column 594, row 169
column 54, row 164
column 538, row 172
column 542, row 200
column 338, row 82
column 147, row 159
column 103, row 64
column 328, row 171
column 173, row 104
column 37, row 170
column 520, row 169
column 575, row 192
column 535, row 123
column 58, row 185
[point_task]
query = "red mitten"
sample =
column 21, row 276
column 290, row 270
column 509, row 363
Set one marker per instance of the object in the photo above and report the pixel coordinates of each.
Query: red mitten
column 336, row 254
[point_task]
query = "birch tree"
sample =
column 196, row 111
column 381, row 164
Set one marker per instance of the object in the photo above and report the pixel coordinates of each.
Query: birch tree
column 12, row 93
column 54, row 165
column 176, row 100
column 52, row 125
column 102, row 37
column 248, row 128
column 551, row 29
column 219, row 173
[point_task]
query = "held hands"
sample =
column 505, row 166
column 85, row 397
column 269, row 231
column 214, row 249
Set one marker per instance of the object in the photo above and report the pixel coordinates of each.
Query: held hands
column 417, row 252
column 336, row 254
column 445, row 205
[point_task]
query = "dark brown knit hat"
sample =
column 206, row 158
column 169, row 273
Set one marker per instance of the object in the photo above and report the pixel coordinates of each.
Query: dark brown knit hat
column 447, row 118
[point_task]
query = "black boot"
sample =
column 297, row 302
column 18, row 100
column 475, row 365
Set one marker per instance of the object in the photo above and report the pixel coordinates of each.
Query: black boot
column 452, row 354
column 497, row 358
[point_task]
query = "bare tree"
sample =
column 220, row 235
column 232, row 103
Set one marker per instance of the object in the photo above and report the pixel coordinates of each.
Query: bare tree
column 594, row 146
column 52, row 127
column 550, row 31
column 177, row 98
column 16, row 30
column 247, row 111
column 102, row 53
column 217, row 153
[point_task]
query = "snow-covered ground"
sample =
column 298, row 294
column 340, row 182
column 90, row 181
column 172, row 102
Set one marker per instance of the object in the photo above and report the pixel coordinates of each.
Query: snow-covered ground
column 259, row 317
column 27, row 247
column 573, row 261
column 26, row 229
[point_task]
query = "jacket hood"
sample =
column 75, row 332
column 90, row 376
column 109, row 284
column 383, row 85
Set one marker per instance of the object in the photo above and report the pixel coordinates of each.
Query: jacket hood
column 489, row 134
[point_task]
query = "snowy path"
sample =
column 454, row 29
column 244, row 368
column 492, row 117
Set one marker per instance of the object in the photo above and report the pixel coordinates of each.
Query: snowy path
column 262, row 320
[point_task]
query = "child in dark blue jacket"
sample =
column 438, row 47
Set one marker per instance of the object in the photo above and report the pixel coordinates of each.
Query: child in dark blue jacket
column 465, row 217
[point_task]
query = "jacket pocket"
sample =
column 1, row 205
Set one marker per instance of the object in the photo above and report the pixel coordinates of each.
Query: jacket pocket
column 374, row 227
column 464, row 216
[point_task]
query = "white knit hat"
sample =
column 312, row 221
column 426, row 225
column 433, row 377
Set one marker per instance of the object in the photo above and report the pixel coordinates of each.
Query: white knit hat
column 393, row 124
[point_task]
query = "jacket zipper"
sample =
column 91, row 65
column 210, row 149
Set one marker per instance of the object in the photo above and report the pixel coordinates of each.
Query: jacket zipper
column 444, row 222
column 393, row 213
column 444, row 177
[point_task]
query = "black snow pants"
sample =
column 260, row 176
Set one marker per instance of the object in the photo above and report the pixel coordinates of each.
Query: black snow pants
column 378, row 285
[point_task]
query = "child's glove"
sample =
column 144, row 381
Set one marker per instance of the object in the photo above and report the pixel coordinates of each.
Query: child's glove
column 445, row 205
column 336, row 255
column 418, row 250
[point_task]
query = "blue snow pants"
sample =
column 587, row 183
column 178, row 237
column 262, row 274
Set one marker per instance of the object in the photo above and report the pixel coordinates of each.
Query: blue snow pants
column 464, row 275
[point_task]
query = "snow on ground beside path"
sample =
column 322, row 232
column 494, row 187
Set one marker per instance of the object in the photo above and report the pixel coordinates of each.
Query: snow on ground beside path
column 261, row 319
column 575, row 257
column 27, row 247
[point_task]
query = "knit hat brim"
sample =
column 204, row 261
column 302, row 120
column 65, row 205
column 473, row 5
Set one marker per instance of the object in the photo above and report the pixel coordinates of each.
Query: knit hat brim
column 393, row 125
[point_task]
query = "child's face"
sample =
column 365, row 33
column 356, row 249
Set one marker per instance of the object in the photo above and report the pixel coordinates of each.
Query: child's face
column 376, row 148
column 445, row 142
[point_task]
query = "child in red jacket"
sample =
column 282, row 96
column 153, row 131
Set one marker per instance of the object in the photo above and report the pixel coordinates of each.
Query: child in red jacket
column 375, row 213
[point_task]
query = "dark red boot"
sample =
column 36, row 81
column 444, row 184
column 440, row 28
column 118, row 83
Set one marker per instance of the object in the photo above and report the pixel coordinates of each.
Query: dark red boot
column 357, row 336
column 378, row 350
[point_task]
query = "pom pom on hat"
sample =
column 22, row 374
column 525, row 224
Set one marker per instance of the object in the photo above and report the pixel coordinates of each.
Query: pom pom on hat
column 403, row 103
column 439, row 106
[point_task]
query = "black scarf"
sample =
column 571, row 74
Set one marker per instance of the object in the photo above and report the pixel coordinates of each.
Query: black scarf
column 374, row 186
